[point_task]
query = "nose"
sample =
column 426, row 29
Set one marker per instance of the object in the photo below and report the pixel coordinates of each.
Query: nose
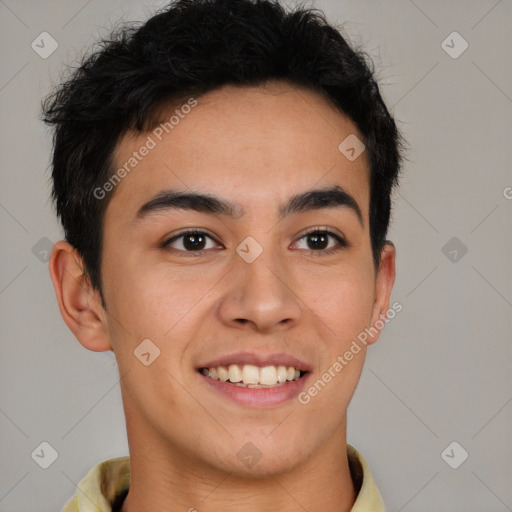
column 262, row 296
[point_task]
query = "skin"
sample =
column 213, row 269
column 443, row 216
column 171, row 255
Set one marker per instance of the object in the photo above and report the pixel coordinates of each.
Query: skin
column 257, row 146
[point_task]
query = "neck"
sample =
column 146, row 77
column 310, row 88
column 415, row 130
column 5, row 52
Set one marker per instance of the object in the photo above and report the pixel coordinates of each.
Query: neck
column 166, row 478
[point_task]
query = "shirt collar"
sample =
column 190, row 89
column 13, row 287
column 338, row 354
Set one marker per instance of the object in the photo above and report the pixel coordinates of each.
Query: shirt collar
column 98, row 490
column 368, row 497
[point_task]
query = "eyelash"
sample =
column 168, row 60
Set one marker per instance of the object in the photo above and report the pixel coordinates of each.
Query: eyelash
column 313, row 231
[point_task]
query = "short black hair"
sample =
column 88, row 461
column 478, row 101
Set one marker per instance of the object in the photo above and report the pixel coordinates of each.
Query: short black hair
column 189, row 48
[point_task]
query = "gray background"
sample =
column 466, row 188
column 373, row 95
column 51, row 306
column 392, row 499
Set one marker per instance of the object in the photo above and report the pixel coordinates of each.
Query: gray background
column 441, row 371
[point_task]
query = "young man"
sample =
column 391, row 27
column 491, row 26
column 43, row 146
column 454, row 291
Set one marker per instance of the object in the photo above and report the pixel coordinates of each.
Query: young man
column 223, row 176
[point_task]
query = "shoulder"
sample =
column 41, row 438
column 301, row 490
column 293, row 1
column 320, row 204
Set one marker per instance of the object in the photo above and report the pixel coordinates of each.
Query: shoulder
column 100, row 486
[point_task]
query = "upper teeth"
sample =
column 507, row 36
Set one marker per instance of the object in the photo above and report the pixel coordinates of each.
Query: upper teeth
column 253, row 375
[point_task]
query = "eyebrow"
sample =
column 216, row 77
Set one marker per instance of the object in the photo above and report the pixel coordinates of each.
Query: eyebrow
column 316, row 199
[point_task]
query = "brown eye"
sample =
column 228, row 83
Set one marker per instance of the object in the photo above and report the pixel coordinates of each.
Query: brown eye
column 189, row 241
column 317, row 240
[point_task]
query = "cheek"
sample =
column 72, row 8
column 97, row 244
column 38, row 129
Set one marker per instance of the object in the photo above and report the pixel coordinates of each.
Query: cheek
column 341, row 305
column 342, row 300
column 153, row 300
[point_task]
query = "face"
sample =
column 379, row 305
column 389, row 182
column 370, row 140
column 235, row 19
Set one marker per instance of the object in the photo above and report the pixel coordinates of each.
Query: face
column 249, row 286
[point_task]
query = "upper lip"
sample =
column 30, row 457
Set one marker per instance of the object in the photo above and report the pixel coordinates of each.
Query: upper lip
column 241, row 358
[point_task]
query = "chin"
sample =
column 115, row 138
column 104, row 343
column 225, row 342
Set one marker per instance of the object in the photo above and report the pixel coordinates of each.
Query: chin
column 260, row 457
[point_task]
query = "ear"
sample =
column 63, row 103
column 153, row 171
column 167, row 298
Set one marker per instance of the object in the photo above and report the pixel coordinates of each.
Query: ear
column 384, row 281
column 80, row 305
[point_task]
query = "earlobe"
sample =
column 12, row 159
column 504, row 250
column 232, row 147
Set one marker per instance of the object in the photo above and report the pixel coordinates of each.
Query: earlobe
column 384, row 282
column 79, row 304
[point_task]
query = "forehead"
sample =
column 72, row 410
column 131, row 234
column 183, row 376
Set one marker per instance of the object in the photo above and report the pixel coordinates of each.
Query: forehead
column 255, row 144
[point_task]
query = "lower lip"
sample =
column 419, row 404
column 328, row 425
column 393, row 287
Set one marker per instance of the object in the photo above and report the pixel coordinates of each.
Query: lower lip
column 258, row 397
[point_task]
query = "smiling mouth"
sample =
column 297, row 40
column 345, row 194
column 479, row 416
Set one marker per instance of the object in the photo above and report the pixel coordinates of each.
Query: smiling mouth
column 251, row 376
